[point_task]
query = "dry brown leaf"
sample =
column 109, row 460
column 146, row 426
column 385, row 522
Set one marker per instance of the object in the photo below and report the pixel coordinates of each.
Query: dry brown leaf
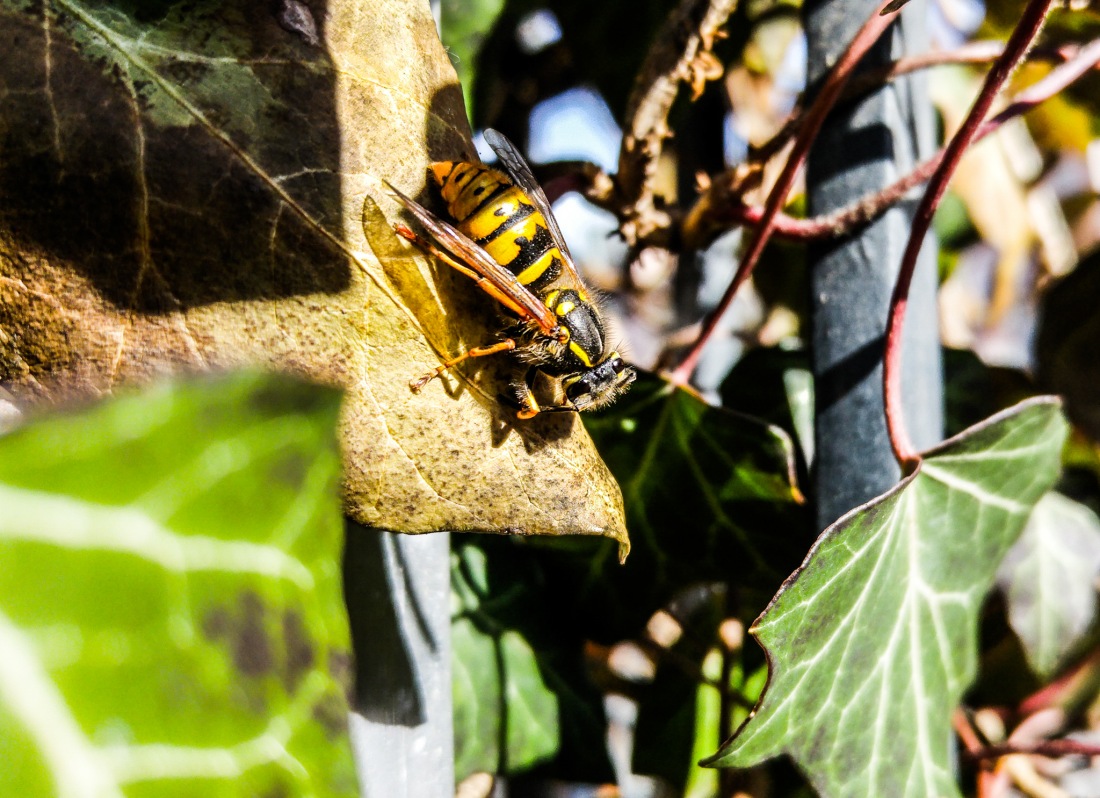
column 197, row 186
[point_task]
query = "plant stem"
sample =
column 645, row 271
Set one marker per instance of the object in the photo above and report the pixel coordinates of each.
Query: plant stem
column 681, row 53
column 979, row 52
column 1022, row 36
column 833, row 85
column 846, row 220
column 1051, row 748
column 1070, row 691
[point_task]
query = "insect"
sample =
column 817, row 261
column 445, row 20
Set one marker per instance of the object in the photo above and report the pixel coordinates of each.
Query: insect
column 505, row 238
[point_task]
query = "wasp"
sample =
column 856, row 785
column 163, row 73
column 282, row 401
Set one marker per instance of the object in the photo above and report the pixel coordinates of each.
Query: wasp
column 505, row 238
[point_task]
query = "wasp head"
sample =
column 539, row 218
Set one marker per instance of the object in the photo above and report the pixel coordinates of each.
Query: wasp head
column 600, row 384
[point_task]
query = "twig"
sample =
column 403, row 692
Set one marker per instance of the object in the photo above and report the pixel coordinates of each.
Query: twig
column 965, row 732
column 1022, row 36
column 1084, row 59
column 980, row 52
column 721, row 205
column 1051, row 748
column 682, row 53
column 831, row 88
column 970, row 53
column 846, row 220
column 1068, row 690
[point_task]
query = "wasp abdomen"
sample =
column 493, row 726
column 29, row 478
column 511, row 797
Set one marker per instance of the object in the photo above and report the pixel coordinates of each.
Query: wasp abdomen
column 502, row 220
column 466, row 187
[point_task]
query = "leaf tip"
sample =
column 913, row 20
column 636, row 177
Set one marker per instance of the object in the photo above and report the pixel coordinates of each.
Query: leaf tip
column 624, row 549
column 719, row 758
column 892, row 7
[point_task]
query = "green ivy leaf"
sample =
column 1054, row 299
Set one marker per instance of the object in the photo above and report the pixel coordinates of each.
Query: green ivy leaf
column 695, row 481
column 712, row 494
column 872, row 641
column 171, row 613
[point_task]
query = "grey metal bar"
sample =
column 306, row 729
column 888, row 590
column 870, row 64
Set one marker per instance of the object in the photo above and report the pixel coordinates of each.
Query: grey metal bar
column 397, row 589
column 862, row 148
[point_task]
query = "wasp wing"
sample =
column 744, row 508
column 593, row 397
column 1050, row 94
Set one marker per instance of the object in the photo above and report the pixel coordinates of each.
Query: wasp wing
column 520, row 172
column 461, row 247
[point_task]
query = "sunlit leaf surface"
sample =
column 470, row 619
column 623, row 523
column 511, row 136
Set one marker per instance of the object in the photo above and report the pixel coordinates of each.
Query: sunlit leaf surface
column 872, row 641
column 197, row 185
column 171, row 617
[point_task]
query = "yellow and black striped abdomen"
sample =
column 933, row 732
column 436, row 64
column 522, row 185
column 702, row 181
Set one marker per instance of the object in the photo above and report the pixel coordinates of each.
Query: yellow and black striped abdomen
column 501, row 219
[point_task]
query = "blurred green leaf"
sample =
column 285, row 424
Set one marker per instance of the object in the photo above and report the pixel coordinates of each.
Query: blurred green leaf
column 505, row 716
column 675, row 718
column 463, row 27
column 171, row 613
column 872, row 641
column 1049, row 580
column 703, row 782
column 953, row 226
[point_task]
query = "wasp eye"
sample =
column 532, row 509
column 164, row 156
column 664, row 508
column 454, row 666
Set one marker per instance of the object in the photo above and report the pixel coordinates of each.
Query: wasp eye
column 618, row 364
column 580, row 387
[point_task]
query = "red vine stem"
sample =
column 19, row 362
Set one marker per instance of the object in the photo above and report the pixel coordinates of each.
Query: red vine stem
column 831, row 89
column 1022, row 36
column 844, row 220
column 965, row 732
column 979, row 52
column 1065, row 691
column 1050, row 748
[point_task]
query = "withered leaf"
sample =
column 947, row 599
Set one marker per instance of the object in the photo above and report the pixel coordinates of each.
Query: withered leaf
column 198, row 186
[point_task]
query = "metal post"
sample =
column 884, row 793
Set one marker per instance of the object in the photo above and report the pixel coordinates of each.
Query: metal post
column 862, row 148
column 397, row 589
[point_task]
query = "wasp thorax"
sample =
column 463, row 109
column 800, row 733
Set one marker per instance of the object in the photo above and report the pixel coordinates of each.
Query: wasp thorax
column 585, row 342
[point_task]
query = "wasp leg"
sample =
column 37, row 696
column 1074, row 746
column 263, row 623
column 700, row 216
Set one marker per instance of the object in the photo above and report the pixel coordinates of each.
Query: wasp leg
column 529, row 406
column 507, row 345
column 483, row 283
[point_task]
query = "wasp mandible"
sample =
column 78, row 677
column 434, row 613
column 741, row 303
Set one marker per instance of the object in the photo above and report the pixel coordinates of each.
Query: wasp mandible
column 506, row 238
